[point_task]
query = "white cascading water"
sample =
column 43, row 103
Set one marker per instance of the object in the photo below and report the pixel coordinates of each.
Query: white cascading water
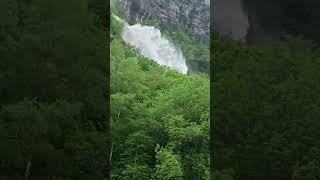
column 152, row 45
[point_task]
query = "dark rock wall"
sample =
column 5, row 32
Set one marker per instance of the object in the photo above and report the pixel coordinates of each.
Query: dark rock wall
column 191, row 16
column 229, row 19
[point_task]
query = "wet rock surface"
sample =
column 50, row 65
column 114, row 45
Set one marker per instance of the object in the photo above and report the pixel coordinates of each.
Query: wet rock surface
column 191, row 16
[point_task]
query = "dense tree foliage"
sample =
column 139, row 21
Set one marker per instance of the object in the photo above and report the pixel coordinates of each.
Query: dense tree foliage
column 266, row 110
column 159, row 118
column 53, row 89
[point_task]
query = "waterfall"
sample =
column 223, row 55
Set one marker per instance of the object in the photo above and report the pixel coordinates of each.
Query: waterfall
column 152, row 45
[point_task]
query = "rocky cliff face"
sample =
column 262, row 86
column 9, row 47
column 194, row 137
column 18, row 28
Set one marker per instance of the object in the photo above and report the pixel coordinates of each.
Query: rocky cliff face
column 236, row 20
column 229, row 19
column 192, row 16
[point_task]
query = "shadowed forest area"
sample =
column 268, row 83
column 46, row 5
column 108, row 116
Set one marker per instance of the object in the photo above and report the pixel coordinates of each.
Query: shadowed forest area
column 53, row 89
column 266, row 104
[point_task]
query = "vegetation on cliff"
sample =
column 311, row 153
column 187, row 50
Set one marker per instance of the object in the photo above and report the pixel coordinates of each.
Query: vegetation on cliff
column 159, row 118
column 196, row 53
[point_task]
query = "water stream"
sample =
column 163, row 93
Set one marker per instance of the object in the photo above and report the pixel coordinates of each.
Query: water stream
column 153, row 45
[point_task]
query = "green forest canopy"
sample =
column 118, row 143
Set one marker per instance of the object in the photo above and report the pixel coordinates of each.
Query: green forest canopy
column 53, row 89
column 266, row 110
column 54, row 92
column 159, row 117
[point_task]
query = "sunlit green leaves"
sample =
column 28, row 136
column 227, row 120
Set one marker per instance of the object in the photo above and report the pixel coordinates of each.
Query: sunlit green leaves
column 150, row 105
column 168, row 165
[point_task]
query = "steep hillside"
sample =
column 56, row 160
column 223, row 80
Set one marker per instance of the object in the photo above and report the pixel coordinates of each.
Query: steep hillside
column 159, row 117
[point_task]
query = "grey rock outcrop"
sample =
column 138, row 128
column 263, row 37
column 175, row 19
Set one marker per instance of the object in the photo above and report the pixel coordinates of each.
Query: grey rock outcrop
column 229, row 19
column 191, row 16
column 235, row 20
